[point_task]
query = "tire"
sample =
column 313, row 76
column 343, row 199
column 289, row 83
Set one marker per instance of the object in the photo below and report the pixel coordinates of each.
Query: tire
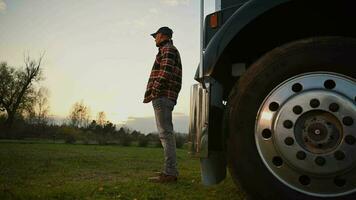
column 275, row 71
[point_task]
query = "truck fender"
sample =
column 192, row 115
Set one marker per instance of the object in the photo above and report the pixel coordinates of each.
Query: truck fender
column 242, row 17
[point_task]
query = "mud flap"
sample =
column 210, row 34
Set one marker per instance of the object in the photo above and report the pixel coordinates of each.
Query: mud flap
column 213, row 168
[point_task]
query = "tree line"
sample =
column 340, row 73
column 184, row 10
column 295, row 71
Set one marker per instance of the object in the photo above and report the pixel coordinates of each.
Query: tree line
column 24, row 113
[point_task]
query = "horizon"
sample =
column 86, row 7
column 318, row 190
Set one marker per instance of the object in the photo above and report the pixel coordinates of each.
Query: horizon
column 144, row 125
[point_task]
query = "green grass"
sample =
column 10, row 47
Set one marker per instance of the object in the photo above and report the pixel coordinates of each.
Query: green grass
column 64, row 171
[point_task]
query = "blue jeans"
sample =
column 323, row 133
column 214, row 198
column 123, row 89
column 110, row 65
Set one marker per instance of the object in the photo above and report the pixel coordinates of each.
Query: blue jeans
column 163, row 108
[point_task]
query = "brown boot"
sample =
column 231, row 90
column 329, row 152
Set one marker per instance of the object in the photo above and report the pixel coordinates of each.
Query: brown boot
column 163, row 178
column 159, row 173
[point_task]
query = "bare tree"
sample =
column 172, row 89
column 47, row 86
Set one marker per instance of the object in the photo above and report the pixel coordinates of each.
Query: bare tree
column 101, row 118
column 79, row 115
column 38, row 112
column 16, row 86
column 42, row 107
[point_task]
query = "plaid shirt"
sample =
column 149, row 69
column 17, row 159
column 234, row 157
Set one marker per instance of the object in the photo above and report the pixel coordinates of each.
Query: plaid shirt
column 166, row 74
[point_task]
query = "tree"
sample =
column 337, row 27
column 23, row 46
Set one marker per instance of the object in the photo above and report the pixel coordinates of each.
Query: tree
column 16, row 86
column 121, row 132
column 92, row 125
column 101, row 118
column 79, row 115
column 109, row 127
column 38, row 112
column 136, row 134
column 41, row 106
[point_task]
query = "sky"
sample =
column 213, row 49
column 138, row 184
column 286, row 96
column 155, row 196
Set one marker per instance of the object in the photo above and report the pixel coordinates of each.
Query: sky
column 101, row 52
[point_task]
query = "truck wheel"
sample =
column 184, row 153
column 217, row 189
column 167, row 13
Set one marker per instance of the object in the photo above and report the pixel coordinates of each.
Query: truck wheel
column 292, row 116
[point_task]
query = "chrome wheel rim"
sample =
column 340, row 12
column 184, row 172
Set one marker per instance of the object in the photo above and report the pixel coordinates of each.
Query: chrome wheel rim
column 305, row 134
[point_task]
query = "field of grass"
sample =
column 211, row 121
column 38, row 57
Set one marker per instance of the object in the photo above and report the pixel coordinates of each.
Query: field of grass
column 64, row 171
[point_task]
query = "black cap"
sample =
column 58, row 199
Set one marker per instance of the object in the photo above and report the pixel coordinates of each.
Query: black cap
column 164, row 30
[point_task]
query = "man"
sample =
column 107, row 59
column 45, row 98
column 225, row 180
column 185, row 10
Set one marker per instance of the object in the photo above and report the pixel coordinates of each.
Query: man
column 163, row 87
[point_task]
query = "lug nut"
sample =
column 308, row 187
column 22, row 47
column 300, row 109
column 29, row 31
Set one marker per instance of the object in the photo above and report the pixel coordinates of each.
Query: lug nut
column 334, row 107
column 349, row 139
column 289, row 141
column 304, row 180
column 297, row 87
column 273, row 106
column 288, row 124
column 314, row 103
column 297, row 110
column 266, row 133
column 277, row 161
column 339, row 182
column 329, row 84
column 320, row 161
column 347, row 121
column 301, row 155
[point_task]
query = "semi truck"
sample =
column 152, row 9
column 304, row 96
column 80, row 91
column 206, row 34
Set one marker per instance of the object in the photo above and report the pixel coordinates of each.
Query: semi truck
column 275, row 98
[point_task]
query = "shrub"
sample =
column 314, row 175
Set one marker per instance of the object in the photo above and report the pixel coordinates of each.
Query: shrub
column 102, row 140
column 88, row 137
column 126, row 140
column 143, row 141
column 85, row 140
column 180, row 140
column 70, row 135
column 70, row 139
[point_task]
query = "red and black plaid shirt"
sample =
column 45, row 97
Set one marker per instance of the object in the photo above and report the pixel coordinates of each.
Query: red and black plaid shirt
column 166, row 74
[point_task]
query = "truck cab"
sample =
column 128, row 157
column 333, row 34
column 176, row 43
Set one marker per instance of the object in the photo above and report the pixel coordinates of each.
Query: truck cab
column 275, row 98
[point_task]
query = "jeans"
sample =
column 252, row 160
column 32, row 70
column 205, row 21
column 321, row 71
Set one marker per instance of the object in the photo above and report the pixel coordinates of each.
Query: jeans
column 163, row 108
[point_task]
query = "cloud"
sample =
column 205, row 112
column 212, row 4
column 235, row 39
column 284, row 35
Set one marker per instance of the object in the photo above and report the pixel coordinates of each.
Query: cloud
column 148, row 124
column 142, row 21
column 2, row 6
column 153, row 10
column 175, row 2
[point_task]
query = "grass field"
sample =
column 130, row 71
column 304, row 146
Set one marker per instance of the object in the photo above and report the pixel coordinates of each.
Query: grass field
column 65, row 171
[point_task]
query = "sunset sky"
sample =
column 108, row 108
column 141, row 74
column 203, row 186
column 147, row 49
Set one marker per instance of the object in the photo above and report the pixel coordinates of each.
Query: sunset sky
column 101, row 52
